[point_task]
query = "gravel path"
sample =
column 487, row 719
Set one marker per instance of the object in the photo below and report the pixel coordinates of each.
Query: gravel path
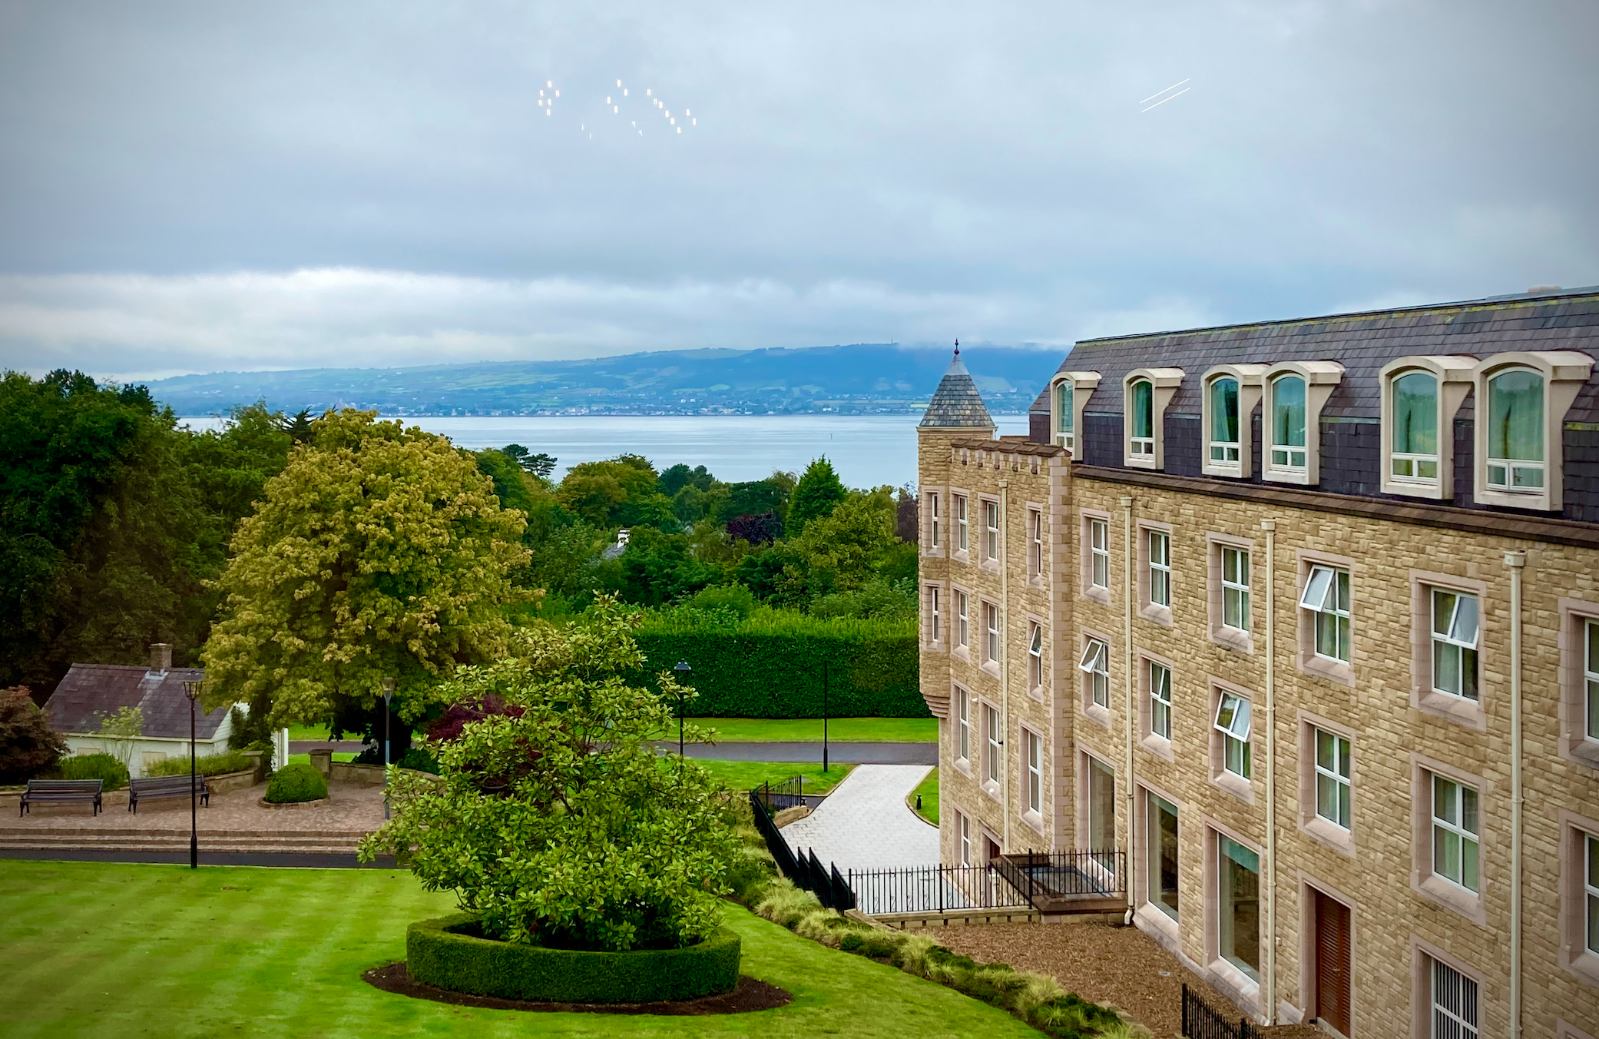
column 864, row 823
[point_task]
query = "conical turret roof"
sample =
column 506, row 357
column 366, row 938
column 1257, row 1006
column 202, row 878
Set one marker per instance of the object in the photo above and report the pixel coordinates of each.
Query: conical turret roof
column 956, row 404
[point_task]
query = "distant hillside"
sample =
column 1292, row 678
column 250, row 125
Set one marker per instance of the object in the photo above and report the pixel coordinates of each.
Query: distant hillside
column 858, row 379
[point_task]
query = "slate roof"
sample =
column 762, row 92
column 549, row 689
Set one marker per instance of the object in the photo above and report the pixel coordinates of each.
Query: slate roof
column 90, row 692
column 956, row 404
column 1361, row 342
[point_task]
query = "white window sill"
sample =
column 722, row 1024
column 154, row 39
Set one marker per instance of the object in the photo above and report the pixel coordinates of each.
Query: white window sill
column 1329, row 833
column 1138, row 462
column 1235, row 985
column 1159, row 746
column 965, row 766
column 1431, row 491
column 1538, row 502
column 1235, row 639
column 1456, row 709
column 1301, row 477
column 990, row 566
column 1584, row 966
column 962, row 653
column 1228, row 472
column 1094, row 593
column 961, row 555
column 1583, row 751
column 934, row 647
column 1151, row 917
column 1156, row 614
column 933, row 553
column 990, row 667
column 1036, row 693
column 991, row 788
column 1234, row 784
column 1452, row 896
column 1095, row 713
column 1037, row 581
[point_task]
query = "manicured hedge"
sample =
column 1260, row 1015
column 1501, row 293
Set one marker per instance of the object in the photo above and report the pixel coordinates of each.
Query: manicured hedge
column 444, row 953
column 296, row 783
column 768, row 665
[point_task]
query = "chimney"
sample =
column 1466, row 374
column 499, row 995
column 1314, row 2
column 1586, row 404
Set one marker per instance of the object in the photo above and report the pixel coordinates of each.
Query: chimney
column 160, row 656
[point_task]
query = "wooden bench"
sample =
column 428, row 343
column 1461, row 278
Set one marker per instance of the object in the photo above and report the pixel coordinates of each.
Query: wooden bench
column 154, row 788
column 61, row 791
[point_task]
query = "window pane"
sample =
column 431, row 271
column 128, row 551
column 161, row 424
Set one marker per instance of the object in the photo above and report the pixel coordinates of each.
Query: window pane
column 1239, row 917
column 1515, row 416
column 1288, row 412
column 1316, row 588
column 1415, row 414
column 1101, row 807
column 1063, row 407
column 1224, row 411
column 1143, row 409
column 1163, row 855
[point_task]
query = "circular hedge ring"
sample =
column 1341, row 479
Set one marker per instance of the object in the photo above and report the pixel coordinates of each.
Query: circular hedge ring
column 445, row 954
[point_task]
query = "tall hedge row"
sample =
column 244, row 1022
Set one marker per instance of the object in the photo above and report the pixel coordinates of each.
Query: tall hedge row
column 769, row 665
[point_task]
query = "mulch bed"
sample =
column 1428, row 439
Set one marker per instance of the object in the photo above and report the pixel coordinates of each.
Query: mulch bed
column 1119, row 966
column 750, row 995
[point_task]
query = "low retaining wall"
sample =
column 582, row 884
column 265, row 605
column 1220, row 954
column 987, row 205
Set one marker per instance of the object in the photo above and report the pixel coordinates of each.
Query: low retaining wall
column 349, row 772
column 956, row 918
column 228, row 782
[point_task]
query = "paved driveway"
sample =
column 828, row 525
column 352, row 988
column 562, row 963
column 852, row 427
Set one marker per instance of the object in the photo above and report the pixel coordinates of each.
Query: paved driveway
column 865, row 824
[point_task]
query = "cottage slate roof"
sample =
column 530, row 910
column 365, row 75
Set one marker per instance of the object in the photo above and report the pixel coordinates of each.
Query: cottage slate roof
column 956, row 404
column 90, row 692
column 1361, row 342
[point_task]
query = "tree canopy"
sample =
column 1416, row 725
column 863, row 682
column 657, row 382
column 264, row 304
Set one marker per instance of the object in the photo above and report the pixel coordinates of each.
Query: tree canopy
column 817, row 494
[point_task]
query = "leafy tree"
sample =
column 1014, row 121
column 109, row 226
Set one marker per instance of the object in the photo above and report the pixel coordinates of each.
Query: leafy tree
column 760, row 529
column 552, row 818
column 845, row 548
column 118, row 730
column 511, row 484
column 817, row 494
column 680, row 476
column 379, row 552
column 540, row 464
column 765, row 572
column 751, row 499
column 658, row 568
column 28, row 745
column 298, row 427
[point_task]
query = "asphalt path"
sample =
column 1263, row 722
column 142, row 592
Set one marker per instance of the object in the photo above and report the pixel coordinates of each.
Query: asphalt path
column 847, row 752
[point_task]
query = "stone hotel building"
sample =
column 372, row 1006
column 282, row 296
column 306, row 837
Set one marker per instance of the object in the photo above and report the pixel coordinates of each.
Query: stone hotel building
column 1301, row 618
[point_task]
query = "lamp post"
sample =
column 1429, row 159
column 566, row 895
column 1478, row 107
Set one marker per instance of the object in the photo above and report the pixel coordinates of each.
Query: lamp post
column 824, row 716
column 388, row 695
column 191, row 689
column 682, row 669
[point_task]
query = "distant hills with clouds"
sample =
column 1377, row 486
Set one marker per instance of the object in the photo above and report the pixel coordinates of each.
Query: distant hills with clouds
column 864, row 378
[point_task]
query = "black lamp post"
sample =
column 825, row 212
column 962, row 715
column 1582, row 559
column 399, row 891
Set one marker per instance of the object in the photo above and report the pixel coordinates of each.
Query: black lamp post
column 191, row 689
column 682, row 670
column 388, row 695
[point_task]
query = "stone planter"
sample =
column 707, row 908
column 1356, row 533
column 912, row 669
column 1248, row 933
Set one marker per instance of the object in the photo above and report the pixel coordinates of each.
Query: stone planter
column 447, row 954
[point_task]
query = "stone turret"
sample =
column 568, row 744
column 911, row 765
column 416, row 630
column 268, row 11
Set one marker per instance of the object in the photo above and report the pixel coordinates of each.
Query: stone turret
column 957, row 405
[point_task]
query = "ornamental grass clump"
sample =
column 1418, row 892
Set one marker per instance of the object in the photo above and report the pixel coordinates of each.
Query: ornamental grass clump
column 552, row 819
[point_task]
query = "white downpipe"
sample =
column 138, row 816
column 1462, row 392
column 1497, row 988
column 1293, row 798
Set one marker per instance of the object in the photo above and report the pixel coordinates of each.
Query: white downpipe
column 1516, row 561
column 1004, row 657
column 1270, row 527
column 1129, row 589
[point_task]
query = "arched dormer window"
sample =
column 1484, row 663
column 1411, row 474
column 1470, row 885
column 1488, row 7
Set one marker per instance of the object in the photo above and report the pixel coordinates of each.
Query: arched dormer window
column 1068, row 393
column 1295, row 394
column 1522, row 400
column 1420, row 396
column 1231, row 393
column 1145, row 394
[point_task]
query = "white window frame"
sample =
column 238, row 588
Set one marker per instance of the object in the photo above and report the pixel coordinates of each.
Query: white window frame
column 1035, row 653
column 993, row 770
column 1564, row 373
column 1236, row 730
column 963, row 524
column 1095, row 663
column 990, row 632
column 1241, row 464
column 1453, row 640
column 1447, row 829
column 1160, row 702
column 1590, row 891
column 1159, row 566
column 1335, row 778
column 1454, row 378
column 1098, row 553
column 1238, row 590
column 965, row 838
column 1590, row 678
column 1035, row 771
column 1448, row 993
column 1153, row 803
column 1516, row 475
column 963, row 733
column 1320, row 378
column 1148, row 452
column 933, row 518
column 1340, row 611
column 990, row 530
column 1035, row 558
column 1066, row 426
column 935, row 615
column 963, row 619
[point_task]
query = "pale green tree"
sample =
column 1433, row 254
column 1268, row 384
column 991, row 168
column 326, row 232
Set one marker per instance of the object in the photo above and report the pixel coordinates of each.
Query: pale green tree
column 380, row 551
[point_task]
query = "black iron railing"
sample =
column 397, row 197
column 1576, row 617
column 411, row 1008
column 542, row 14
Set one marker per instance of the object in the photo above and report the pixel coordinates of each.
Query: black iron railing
column 787, row 793
column 1061, row 877
column 933, row 889
column 804, row 869
column 1203, row 1021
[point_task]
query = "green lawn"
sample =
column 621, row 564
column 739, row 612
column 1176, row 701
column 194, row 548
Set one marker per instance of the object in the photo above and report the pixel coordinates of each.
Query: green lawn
column 338, row 755
column 310, row 732
column 92, row 949
column 844, row 730
column 929, row 792
column 745, row 775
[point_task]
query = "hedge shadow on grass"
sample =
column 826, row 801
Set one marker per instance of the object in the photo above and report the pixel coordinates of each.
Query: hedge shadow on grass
column 750, row 995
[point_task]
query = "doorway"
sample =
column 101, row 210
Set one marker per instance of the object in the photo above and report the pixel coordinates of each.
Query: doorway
column 1334, row 961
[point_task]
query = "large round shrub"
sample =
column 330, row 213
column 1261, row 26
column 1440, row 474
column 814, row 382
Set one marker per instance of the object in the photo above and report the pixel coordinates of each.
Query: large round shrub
column 296, row 783
column 95, row 766
column 450, row 953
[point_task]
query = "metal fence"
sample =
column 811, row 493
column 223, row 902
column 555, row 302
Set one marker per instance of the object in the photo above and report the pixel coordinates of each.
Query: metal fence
column 1203, row 1021
column 787, row 793
column 804, row 869
column 1053, row 880
column 933, row 889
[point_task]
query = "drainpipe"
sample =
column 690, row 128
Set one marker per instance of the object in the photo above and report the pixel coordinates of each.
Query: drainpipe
column 1516, row 561
column 1004, row 653
column 1129, row 589
column 1270, row 527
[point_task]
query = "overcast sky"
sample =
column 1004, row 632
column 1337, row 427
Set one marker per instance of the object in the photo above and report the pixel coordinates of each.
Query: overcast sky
column 202, row 186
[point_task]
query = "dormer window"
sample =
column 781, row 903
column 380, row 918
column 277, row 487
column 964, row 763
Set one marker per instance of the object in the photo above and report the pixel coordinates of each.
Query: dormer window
column 1064, row 415
column 1295, row 394
column 1069, row 391
column 1516, row 432
column 1231, row 393
column 1420, row 396
column 1522, row 400
column 1145, row 394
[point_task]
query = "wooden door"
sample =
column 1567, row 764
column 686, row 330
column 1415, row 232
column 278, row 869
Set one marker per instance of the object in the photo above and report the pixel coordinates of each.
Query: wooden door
column 1334, row 963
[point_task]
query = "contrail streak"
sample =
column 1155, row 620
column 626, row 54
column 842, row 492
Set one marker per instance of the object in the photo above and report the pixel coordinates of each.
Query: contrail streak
column 1157, row 104
column 1157, row 93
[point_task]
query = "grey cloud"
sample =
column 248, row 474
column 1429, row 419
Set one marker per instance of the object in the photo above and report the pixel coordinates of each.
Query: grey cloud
column 187, row 186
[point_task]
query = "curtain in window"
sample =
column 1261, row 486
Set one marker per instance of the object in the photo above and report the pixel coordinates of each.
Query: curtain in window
column 1415, row 412
column 1143, row 409
column 1224, row 411
column 1288, row 412
column 1515, row 416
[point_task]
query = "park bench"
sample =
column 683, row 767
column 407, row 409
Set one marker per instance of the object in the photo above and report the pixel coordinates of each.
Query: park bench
column 156, row 787
column 61, row 791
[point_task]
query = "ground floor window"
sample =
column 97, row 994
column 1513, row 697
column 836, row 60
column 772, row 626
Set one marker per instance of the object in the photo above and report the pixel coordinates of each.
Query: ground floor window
column 1591, row 891
column 1238, row 906
column 965, row 826
column 1454, row 1003
column 1035, row 771
column 1161, row 816
column 1102, row 813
